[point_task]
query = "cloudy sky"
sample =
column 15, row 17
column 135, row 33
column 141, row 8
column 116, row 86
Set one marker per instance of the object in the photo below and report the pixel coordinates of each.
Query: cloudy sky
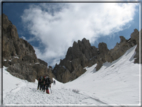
column 51, row 28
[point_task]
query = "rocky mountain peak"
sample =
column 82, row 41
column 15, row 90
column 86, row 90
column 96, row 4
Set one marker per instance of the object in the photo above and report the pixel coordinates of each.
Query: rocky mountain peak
column 9, row 28
column 75, row 44
column 134, row 34
column 19, row 56
column 86, row 42
column 103, row 47
column 122, row 39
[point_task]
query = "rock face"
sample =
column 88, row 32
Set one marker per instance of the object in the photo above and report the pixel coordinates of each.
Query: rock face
column 82, row 54
column 0, row 46
column 119, row 49
column 19, row 56
column 135, row 37
column 76, row 59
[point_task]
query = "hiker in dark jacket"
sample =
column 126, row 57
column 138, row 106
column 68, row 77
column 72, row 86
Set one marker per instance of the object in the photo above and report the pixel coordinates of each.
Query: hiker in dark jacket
column 47, row 84
column 39, row 83
column 43, row 84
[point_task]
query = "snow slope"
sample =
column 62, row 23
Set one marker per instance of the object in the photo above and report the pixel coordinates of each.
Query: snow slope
column 116, row 83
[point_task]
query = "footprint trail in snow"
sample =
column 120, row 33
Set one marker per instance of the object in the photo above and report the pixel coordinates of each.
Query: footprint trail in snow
column 30, row 95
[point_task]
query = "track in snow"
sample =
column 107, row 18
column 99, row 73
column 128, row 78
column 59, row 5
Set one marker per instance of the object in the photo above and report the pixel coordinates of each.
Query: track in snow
column 30, row 95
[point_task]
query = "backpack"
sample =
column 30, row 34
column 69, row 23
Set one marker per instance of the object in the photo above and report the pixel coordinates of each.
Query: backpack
column 47, row 80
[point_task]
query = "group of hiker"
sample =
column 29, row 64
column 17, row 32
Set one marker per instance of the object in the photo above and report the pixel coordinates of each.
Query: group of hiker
column 44, row 83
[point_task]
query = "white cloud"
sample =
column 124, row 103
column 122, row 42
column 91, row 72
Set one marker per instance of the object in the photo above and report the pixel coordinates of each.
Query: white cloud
column 65, row 23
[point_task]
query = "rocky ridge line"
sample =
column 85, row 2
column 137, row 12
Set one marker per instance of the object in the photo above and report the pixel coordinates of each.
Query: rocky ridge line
column 82, row 54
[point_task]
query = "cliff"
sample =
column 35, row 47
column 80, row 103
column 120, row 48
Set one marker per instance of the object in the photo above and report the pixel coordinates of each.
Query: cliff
column 19, row 56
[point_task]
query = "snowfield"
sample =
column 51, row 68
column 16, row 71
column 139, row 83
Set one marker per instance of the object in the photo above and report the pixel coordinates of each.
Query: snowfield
column 116, row 83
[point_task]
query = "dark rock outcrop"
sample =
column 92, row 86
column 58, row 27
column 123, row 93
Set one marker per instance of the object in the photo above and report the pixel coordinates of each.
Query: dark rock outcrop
column 124, row 45
column 19, row 56
column 122, row 39
column 120, row 48
column 135, row 39
column 103, row 55
column 80, row 55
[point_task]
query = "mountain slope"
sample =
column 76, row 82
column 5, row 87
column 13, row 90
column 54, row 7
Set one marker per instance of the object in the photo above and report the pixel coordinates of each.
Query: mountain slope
column 116, row 83
column 19, row 56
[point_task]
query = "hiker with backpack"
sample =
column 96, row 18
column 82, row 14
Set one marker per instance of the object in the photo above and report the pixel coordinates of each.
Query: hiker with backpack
column 47, row 84
column 43, row 84
column 39, row 83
